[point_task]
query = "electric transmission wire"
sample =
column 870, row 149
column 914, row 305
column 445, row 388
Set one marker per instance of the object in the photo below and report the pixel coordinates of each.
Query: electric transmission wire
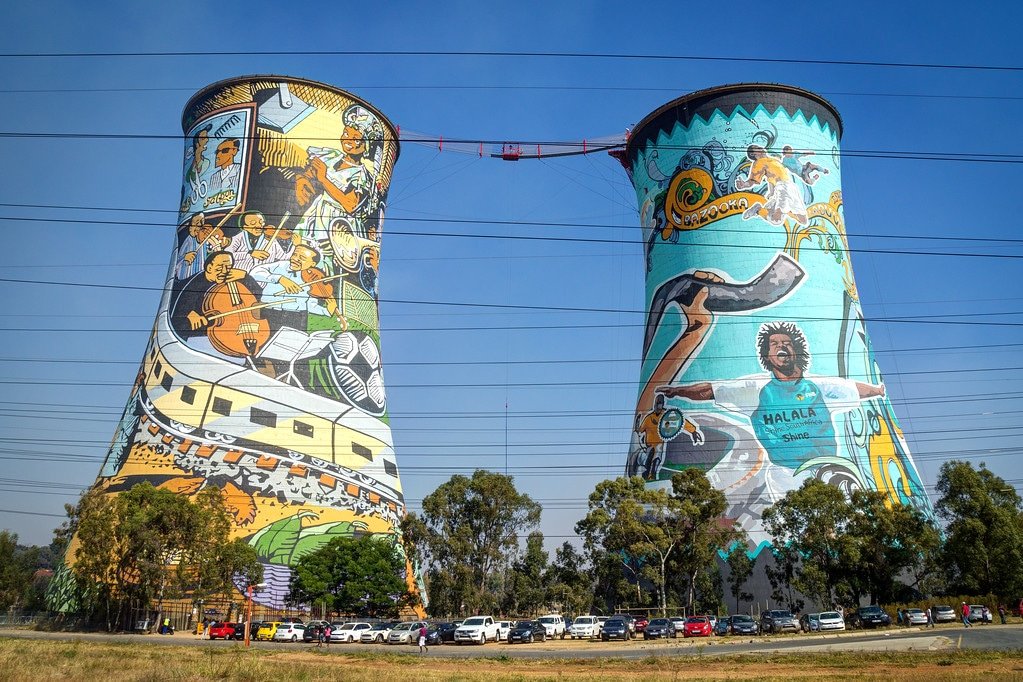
column 525, row 54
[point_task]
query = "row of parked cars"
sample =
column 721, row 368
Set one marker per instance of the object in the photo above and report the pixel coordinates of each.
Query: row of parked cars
column 483, row 629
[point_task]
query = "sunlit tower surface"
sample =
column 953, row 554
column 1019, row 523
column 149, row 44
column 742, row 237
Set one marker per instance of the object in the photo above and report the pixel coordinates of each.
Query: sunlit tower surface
column 263, row 373
column 757, row 367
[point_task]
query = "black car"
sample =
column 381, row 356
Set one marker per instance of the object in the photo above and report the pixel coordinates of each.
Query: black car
column 739, row 624
column 313, row 633
column 868, row 617
column 615, row 628
column 527, row 631
column 239, row 631
column 438, row 633
column 777, row 620
column 658, row 628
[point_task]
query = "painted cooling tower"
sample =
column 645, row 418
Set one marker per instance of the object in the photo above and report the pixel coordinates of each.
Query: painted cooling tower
column 757, row 367
column 263, row 374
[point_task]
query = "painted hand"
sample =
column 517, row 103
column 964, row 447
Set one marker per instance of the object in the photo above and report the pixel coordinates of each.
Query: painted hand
column 196, row 320
column 289, row 285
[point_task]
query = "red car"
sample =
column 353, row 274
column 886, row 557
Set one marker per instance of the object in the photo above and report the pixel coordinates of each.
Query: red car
column 697, row 626
column 222, row 631
column 641, row 623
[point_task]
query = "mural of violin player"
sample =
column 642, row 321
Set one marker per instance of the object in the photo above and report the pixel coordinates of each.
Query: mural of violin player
column 263, row 376
column 755, row 342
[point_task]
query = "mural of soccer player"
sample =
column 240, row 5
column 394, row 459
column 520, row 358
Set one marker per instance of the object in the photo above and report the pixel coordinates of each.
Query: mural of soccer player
column 784, row 197
column 701, row 296
column 654, row 429
column 790, row 411
column 807, row 171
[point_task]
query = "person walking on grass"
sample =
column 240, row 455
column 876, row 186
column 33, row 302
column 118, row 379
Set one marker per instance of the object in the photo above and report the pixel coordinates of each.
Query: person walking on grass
column 1001, row 612
column 965, row 609
column 326, row 635
column 422, row 639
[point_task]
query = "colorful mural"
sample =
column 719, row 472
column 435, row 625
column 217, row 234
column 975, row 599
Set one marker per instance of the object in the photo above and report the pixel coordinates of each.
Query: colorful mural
column 263, row 374
column 757, row 367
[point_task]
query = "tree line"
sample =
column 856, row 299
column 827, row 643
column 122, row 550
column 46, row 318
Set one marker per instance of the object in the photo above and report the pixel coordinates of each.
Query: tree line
column 659, row 549
column 477, row 546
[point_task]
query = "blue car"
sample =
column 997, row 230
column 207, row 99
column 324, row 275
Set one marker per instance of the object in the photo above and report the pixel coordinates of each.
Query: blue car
column 739, row 624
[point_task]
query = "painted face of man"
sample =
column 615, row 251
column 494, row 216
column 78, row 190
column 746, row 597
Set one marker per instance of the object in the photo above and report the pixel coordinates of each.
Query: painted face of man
column 781, row 353
column 226, row 151
column 301, row 259
column 219, row 268
column 352, row 141
column 253, row 223
column 196, row 224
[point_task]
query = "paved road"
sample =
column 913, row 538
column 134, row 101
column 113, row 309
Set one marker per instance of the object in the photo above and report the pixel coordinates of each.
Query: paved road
column 991, row 637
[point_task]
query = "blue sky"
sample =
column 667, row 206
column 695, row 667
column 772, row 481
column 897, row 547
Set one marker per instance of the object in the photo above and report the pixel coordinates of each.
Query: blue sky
column 68, row 354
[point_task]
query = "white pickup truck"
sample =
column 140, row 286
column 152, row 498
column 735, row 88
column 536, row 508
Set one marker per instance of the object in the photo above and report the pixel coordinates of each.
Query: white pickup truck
column 477, row 629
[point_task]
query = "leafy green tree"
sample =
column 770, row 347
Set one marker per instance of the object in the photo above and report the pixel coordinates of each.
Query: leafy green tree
column 983, row 518
column 611, row 580
column 363, row 576
column 209, row 563
column 657, row 528
column 569, row 580
column 18, row 588
column 812, row 546
column 740, row 568
column 525, row 584
column 892, row 540
column 701, row 509
column 468, row 531
column 145, row 545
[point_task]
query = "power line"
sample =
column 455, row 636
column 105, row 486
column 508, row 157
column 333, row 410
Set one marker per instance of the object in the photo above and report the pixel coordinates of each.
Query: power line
column 619, row 447
column 495, row 362
column 566, row 88
column 585, row 240
column 625, row 56
column 710, row 229
column 470, row 146
column 517, row 384
column 746, row 319
column 562, row 414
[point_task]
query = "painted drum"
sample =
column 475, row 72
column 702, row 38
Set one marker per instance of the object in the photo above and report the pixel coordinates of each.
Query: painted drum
column 263, row 374
column 754, row 328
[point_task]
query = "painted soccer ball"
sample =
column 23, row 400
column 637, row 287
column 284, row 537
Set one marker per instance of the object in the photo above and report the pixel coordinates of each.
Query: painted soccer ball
column 355, row 369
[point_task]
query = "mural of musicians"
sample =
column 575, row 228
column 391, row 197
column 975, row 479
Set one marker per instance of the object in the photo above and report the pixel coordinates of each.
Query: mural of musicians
column 791, row 412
